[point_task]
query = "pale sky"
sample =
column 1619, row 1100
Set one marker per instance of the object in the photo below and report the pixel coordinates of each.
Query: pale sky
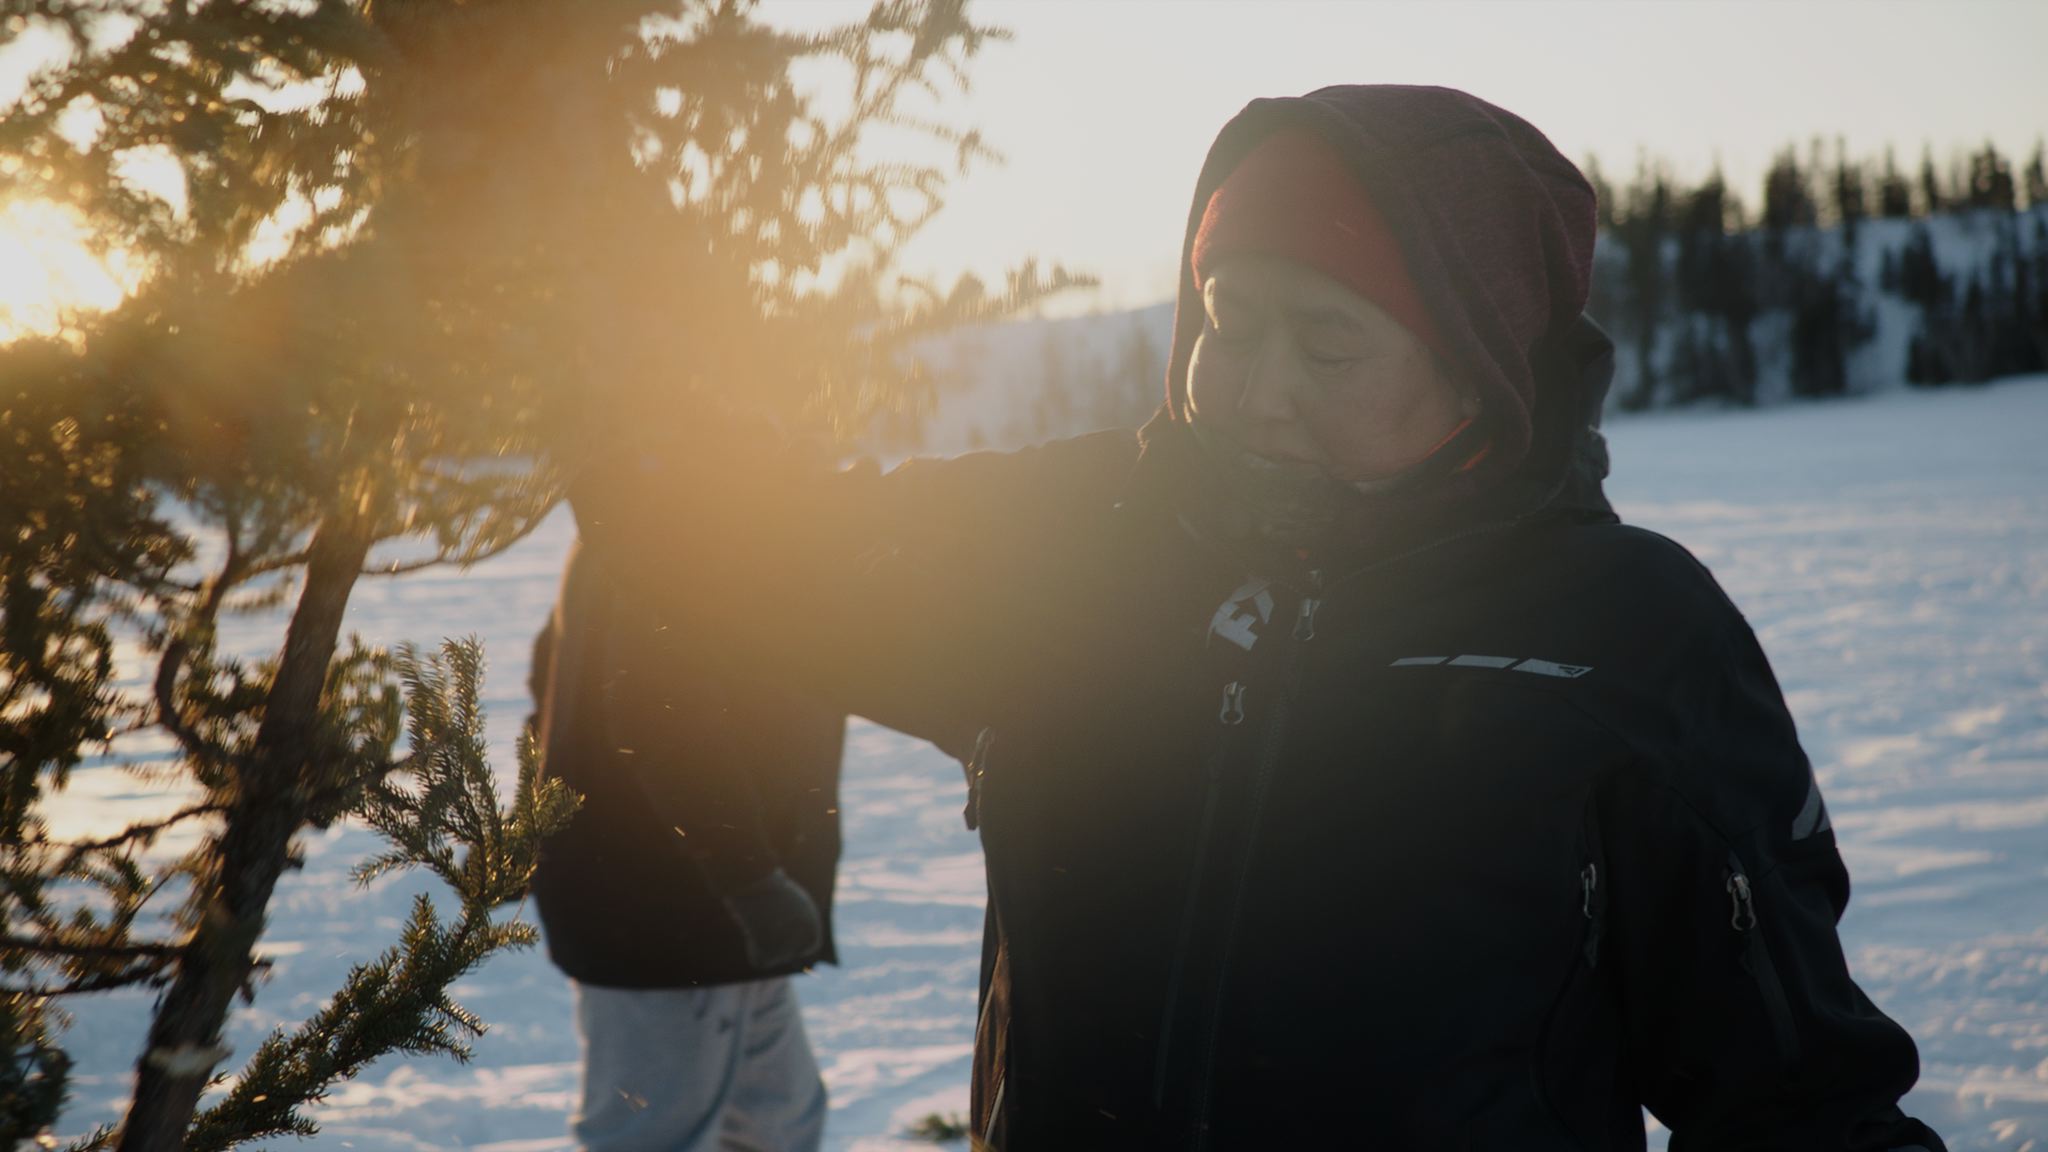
column 1105, row 108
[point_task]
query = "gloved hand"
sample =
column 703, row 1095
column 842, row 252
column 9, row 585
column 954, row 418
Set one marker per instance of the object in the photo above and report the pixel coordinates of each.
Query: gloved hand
column 778, row 920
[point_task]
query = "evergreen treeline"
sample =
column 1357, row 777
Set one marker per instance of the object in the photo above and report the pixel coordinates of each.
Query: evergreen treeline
column 1711, row 301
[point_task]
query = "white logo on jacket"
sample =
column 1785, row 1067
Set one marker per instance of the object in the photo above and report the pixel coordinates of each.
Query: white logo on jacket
column 1238, row 618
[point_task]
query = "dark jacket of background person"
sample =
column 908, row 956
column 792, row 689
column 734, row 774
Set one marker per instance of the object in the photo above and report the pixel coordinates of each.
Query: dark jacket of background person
column 694, row 782
column 1496, row 831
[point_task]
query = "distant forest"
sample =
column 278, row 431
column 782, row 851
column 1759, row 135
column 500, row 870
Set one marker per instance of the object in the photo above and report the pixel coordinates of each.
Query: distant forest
column 1712, row 301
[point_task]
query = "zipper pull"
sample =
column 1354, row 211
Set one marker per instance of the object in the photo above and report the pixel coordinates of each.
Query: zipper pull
column 1589, row 885
column 1744, row 915
column 1233, row 703
column 1305, row 621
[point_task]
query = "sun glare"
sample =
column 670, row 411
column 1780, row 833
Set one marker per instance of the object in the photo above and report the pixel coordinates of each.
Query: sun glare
column 49, row 273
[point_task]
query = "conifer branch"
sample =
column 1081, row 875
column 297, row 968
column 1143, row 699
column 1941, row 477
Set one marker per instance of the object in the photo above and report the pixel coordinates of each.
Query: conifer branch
column 447, row 819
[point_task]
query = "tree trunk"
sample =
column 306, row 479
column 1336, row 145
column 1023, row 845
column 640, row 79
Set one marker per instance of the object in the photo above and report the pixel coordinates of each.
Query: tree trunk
column 268, row 808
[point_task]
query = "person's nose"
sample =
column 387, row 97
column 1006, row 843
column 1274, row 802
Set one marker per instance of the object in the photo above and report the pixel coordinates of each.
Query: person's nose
column 1268, row 393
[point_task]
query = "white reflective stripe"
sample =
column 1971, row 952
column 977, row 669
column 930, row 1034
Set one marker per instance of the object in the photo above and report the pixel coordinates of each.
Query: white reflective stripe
column 1547, row 668
column 1813, row 815
column 1539, row 667
column 1483, row 661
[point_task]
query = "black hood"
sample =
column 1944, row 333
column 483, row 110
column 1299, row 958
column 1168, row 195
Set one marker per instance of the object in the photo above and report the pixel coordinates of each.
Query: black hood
column 1495, row 225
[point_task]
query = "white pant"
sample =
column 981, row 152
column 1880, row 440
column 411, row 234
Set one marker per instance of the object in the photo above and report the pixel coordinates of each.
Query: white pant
column 725, row 1068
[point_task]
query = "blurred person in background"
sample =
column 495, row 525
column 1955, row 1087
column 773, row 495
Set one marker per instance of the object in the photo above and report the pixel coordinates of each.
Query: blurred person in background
column 694, row 880
column 1347, row 773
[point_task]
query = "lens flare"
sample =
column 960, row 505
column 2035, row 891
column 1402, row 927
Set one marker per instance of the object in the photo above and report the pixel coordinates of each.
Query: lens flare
column 49, row 273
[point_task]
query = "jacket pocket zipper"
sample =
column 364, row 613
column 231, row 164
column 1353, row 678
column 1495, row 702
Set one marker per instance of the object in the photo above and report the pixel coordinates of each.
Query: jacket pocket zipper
column 1757, row 956
column 1589, row 905
column 1592, row 908
column 1592, row 899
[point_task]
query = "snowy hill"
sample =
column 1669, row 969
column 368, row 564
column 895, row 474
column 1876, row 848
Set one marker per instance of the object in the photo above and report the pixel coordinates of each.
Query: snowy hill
column 1007, row 385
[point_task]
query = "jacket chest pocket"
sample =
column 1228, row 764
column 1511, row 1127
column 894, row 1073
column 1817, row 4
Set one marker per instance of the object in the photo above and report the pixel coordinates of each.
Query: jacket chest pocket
column 1453, row 756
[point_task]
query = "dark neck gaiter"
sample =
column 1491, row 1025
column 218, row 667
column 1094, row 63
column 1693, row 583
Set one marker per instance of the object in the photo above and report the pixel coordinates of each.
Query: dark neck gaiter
column 1277, row 504
column 1297, row 508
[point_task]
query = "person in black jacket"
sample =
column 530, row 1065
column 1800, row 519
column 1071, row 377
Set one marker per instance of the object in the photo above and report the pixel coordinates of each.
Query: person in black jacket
column 1347, row 774
column 695, row 878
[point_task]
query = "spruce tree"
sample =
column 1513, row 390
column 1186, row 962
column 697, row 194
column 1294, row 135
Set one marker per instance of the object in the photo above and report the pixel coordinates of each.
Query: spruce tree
column 1736, row 292
column 1849, row 189
column 1788, row 202
column 2019, row 349
column 1990, row 180
column 1828, row 324
column 2036, row 176
column 1932, row 201
column 1973, row 342
column 1702, row 288
column 1643, row 225
column 398, row 241
column 1605, row 205
column 2036, row 309
column 1608, row 289
column 1894, row 194
column 1931, row 357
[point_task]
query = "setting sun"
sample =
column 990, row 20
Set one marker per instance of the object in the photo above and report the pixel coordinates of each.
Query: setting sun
column 49, row 272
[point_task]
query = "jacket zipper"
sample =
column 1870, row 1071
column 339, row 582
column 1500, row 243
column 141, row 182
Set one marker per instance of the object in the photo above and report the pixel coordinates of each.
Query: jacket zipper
column 1305, row 619
column 1190, row 909
column 1272, row 741
column 1269, row 756
column 1742, row 917
column 1274, row 738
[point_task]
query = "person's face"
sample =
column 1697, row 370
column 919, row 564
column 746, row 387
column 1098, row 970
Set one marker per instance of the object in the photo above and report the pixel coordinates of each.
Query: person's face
column 1297, row 368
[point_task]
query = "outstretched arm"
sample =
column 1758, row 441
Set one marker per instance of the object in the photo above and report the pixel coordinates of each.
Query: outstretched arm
column 927, row 599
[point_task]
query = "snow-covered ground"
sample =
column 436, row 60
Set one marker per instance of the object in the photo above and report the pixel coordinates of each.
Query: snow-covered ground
column 1892, row 553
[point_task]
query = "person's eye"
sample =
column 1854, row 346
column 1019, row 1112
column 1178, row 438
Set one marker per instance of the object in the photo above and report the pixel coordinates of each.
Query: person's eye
column 1234, row 335
column 1330, row 360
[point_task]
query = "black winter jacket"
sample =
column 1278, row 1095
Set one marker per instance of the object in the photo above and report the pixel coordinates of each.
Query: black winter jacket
column 1489, row 838
column 693, row 780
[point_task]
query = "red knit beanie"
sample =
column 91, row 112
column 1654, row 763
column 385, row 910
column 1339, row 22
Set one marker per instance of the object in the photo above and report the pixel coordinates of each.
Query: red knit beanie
column 1292, row 197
